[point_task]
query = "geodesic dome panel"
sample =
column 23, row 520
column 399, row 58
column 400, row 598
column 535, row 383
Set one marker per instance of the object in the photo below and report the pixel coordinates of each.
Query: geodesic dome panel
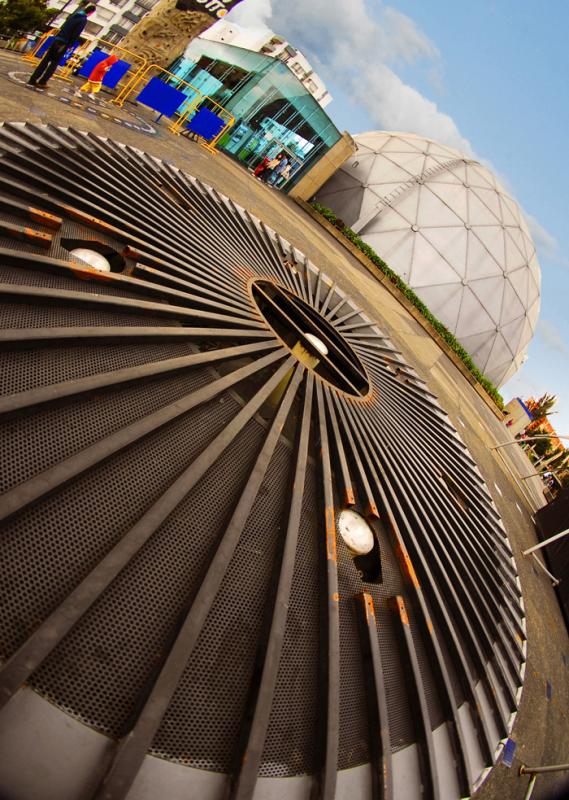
column 445, row 224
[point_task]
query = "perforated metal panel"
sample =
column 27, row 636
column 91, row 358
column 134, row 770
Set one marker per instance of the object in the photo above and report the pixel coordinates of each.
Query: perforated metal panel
column 176, row 452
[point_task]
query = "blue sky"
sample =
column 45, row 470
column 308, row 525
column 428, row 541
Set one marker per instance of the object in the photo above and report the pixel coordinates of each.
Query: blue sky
column 489, row 78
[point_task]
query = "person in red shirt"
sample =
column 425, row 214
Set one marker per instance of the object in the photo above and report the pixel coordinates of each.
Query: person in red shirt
column 93, row 84
column 261, row 167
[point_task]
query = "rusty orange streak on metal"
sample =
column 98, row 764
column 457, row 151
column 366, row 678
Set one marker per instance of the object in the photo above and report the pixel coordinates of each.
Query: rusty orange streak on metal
column 335, row 597
column 130, row 252
column 402, row 611
column 88, row 273
column 407, row 566
column 362, row 599
column 41, row 239
column 91, row 222
column 330, row 534
column 43, row 218
column 244, row 272
column 373, row 512
column 369, row 607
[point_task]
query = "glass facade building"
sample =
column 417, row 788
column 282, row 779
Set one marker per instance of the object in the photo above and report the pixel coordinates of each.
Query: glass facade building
column 274, row 113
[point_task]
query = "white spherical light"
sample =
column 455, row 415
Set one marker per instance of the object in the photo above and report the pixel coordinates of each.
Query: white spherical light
column 355, row 531
column 92, row 258
column 443, row 222
column 317, row 343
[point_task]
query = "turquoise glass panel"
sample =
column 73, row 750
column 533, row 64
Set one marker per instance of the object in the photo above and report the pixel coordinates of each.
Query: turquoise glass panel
column 273, row 111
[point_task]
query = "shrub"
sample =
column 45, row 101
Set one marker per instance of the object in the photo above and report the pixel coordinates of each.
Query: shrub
column 19, row 16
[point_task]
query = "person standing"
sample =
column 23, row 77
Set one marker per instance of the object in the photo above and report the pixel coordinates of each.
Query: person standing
column 284, row 176
column 278, row 170
column 261, row 167
column 267, row 173
column 67, row 36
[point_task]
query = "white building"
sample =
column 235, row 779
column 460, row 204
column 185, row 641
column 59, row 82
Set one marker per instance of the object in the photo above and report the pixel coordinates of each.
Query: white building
column 111, row 21
column 443, row 222
column 270, row 44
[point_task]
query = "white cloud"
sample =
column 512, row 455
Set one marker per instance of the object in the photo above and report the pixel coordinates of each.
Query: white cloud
column 552, row 337
column 395, row 106
column 404, row 39
column 359, row 47
column 251, row 14
column 546, row 244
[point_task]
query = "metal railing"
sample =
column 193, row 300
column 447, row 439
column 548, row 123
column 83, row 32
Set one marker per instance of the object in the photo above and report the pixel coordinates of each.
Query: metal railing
column 31, row 54
column 535, row 771
column 103, row 43
column 144, row 74
column 82, row 52
column 520, row 480
column 532, row 551
column 178, row 124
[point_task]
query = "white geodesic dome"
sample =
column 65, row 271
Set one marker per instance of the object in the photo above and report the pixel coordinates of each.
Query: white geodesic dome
column 443, row 222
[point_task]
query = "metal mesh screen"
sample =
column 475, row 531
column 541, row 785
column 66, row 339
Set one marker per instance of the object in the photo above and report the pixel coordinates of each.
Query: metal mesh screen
column 124, row 580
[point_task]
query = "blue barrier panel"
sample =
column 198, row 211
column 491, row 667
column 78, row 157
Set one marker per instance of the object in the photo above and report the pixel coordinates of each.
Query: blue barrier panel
column 112, row 77
column 90, row 63
column 205, row 123
column 116, row 72
column 41, row 52
column 161, row 97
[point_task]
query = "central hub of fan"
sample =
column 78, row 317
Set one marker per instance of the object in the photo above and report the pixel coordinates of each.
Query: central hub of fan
column 317, row 343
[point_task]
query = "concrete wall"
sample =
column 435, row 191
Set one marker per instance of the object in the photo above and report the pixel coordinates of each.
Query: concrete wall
column 324, row 168
column 518, row 418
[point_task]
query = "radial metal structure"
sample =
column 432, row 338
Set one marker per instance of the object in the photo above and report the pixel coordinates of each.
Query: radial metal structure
column 189, row 610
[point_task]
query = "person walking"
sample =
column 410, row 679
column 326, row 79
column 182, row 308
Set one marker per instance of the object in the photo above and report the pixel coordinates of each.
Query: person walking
column 261, row 167
column 95, row 80
column 284, row 176
column 67, row 36
column 267, row 173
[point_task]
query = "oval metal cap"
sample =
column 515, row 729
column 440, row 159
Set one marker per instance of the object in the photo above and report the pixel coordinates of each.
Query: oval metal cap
column 317, row 343
column 355, row 531
column 91, row 257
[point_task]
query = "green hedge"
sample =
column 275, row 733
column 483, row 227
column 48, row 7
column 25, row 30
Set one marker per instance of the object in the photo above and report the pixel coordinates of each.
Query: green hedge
column 413, row 298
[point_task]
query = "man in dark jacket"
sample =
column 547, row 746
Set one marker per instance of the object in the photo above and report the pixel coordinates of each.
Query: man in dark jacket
column 67, row 36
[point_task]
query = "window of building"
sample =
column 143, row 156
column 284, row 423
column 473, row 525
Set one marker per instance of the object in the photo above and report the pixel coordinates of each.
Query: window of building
column 93, row 28
column 130, row 16
column 104, row 14
column 274, row 112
